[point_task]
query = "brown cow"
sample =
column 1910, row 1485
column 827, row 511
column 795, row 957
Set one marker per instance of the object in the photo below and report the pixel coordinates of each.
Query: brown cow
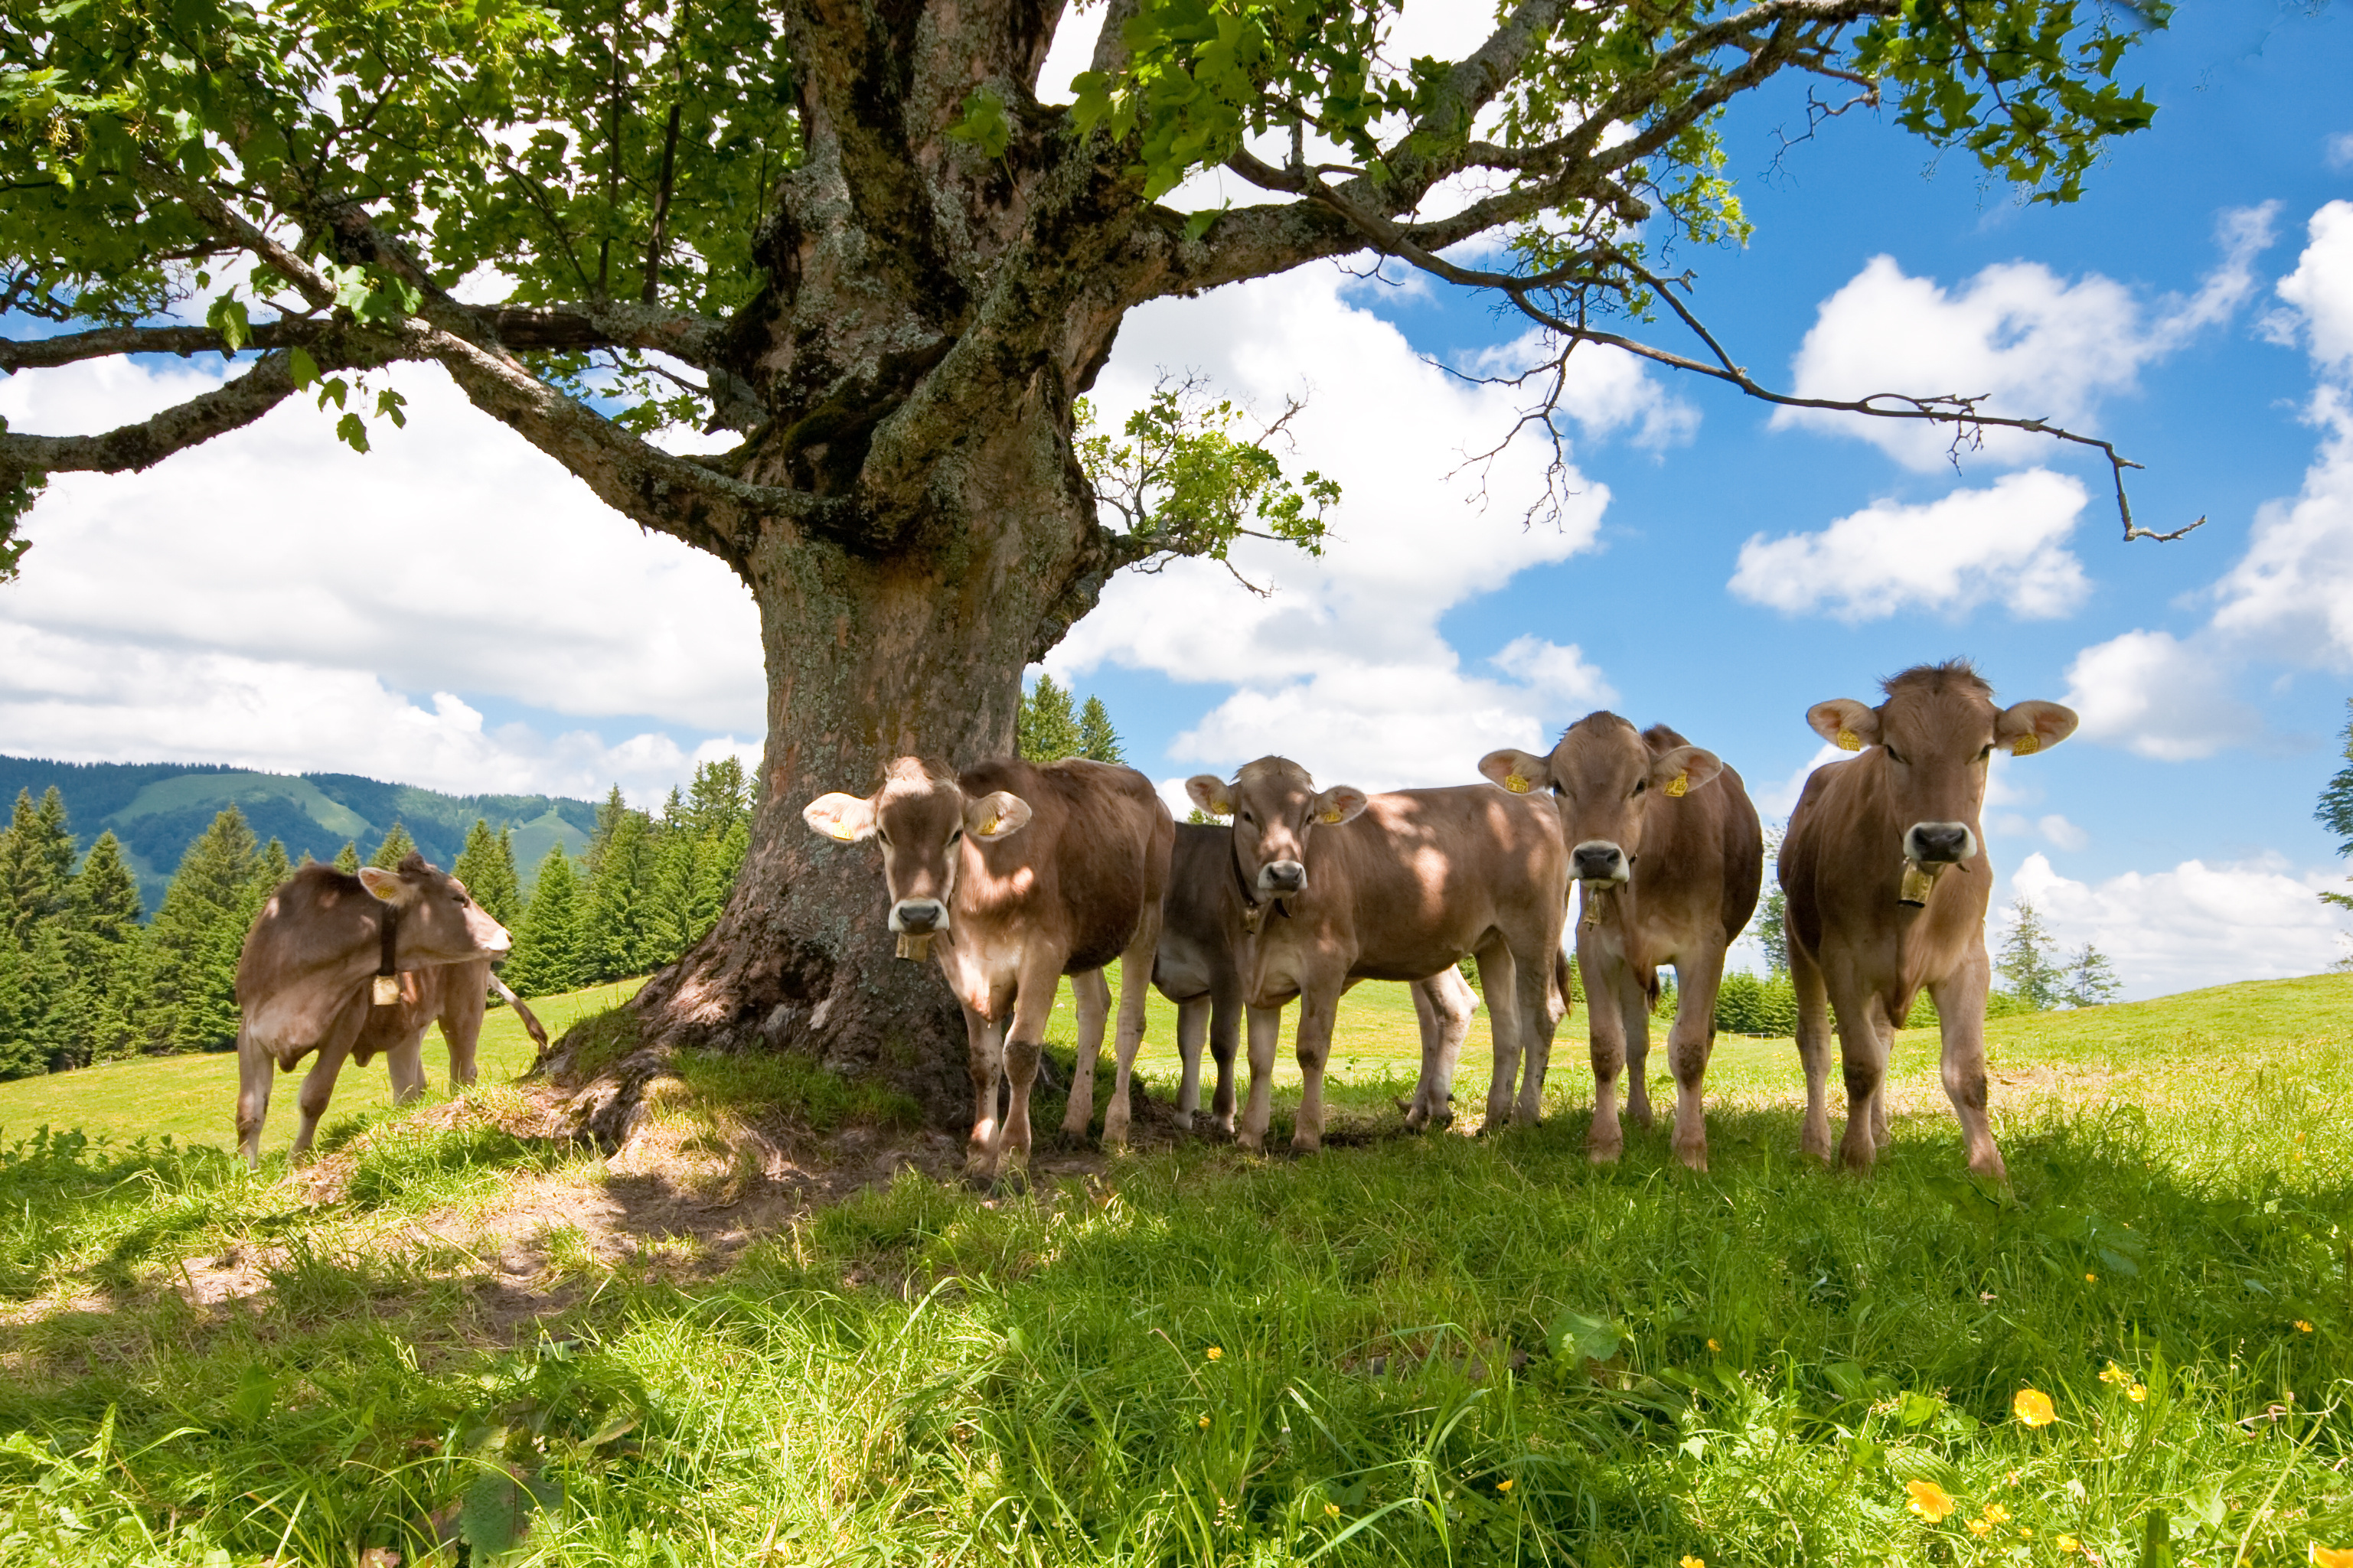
column 1022, row 873
column 1200, row 967
column 1392, row 887
column 1875, row 911
column 302, row 977
column 455, row 995
column 1670, row 853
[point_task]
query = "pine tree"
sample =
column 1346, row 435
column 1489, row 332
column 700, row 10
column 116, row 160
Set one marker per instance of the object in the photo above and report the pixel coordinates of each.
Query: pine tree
column 397, row 845
column 105, row 954
column 485, row 865
column 618, row 927
column 1771, row 925
column 2024, row 963
column 197, row 934
column 37, row 857
column 609, row 817
column 719, row 798
column 347, row 859
column 1044, row 730
column 2335, row 811
column 269, row 869
column 2089, row 978
column 546, row 957
column 1097, row 739
column 21, row 1054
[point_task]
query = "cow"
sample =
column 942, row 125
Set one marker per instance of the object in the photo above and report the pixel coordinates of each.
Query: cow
column 1203, row 942
column 302, row 978
column 1670, row 853
column 454, row 995
column 1020, row 873
column 1346, row 885
column 1887, row 879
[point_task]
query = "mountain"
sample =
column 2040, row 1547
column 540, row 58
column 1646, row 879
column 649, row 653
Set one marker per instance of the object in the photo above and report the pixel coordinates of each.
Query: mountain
column 156, row 809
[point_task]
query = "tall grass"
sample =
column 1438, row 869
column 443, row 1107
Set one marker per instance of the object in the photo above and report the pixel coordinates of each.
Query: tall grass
column 1441, row 1351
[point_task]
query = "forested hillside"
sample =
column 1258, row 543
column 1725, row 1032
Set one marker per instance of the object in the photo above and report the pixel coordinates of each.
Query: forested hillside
column 157, row 810
column 82, row 980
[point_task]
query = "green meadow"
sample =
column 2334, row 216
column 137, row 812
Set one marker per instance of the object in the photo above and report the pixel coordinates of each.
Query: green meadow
column 767, row 1330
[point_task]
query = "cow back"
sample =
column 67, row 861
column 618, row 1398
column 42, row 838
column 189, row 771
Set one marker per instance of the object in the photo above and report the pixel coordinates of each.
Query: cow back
column 1095, row 851
column 1409, row 883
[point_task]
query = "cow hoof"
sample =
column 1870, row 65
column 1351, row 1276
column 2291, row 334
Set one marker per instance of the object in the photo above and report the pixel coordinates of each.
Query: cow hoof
column 1306, row 1145
column 1114, row 1133
column 1011, row 1181
column 1184, row 1121
column 1597, row 1155
column 1696, row 1159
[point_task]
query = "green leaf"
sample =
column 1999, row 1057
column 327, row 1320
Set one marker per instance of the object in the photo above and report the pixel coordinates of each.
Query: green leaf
column 301, row 367
column 984, row 124
column 352, row 431
column 227, row 316
column 1575, row 1333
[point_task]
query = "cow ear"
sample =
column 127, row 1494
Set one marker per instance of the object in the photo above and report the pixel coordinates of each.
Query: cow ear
column 1845, row 723
column 389, row 885
column 995, row 816
column 1684, row 768
column 839, row 815
column 1211, row 793
column 1516, row 771
column 1341, row 803
column 2027, row 728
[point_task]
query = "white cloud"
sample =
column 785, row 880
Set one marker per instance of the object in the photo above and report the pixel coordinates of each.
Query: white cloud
column 2194, row 925
column 2004, row 544
column 2053, row 829
column 2158, row 696
column 2017, row 334
column 2320, row 289
column 2290, row 597
column 1604, row 390
column 1342, row 667
column 451, row 559
column 2339, row 150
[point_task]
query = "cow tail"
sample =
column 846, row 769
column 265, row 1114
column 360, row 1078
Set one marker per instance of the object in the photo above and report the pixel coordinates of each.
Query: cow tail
column 529, row 1020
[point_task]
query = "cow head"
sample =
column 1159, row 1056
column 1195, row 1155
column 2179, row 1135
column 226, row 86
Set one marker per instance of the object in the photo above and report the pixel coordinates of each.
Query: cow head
column 1275, row 805
column 438, row 920
column 1607, row 780
column 1937, row 731
column 921, row 817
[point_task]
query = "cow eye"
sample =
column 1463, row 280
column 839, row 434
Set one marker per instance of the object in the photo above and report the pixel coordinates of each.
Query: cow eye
column 1987, row 753
column 1246, row 816
column 956, row 837
column 1892, row 755
column 884, row 837
column 1641, row 784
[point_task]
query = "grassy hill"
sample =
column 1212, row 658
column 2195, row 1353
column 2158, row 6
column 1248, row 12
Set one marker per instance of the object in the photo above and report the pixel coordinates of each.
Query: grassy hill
column 156, row 809
column 735, row 1342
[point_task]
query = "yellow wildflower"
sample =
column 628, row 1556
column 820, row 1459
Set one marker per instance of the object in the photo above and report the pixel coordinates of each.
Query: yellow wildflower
column 2091, row 1279
column 1978, row 1528
column 1930, row 1500
column 2032, row 1406
column 1713, row 1346
column 2138, row 1392
column 1205, row 1421
column 1504, row 1486
column 2115, row 1374
column 1692, row 1563
column 2302, row 1326
column 2321, row 1556
column 1996, row 1514
column 1216, row 1354
column 2066, row 1544
column 1331, row 1510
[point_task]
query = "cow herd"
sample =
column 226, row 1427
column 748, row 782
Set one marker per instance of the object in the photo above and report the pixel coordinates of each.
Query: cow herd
column 1011, row 875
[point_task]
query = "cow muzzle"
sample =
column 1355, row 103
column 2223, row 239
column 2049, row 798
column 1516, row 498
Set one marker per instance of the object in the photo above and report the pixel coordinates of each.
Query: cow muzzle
column 1599, row 860
column 1939, row 843
column 1282, row 877
column 917, row 920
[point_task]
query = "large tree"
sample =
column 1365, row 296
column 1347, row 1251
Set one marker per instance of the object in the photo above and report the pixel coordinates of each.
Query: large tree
column 848, row 232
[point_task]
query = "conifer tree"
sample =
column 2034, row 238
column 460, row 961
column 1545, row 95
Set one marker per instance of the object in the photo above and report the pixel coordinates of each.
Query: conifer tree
column 546, row 957
column 609, row 817
column 1097, row 740
column 106, row 957
column 397, row 845
column 2024, row 961
column 37, row 857
column 485, row 865
column 21, row 1054
column 617, row 928
column 270, row 867
column 2089, row 978
column 196, row 936
column 1045, row 729
column 347, row 859
column 719, row 797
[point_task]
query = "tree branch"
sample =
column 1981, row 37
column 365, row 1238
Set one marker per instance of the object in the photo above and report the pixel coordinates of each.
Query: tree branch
column 130, row 448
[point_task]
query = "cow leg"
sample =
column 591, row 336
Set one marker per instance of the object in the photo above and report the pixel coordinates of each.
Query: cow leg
column 1265, row 1034
column 318, row 1087
column 254, row 1069
column 1634, row 1006
column 1033, row 1003
column 1863, row 1056
column 1690, row 1042
column 1135, row 989
column 1499, row 977
column 1319, row 1010
column 462, row 1023
column 1226, row 1012
column 984, row 1048
column 1533, row 994
column 1813, row 1052
column 1961, row 1012
column 1192, row 1033
column 1886, row 1031
column 1443, row 1004
column 1093, row 1008
column 1605, row 1027
column 405, row 1063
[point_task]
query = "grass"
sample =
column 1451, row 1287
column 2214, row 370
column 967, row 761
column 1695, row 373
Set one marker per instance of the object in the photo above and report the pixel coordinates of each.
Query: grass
column 1439, row 1350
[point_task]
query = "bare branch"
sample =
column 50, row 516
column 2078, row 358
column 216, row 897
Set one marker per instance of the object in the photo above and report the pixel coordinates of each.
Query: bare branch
column 130, row 447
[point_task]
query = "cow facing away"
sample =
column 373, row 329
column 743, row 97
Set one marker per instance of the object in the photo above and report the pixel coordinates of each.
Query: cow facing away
column 1670, row 853
column 1204, row 937
column 1014, row 874
column 1887, row 879
column 303, row 978
column 1351, row 887
column 451, row 995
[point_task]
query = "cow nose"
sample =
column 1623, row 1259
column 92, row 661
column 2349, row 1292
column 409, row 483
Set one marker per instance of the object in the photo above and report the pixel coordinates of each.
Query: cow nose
column 1283, row 876
column 918, row 917
column 1939, row 843
column 1599, row 860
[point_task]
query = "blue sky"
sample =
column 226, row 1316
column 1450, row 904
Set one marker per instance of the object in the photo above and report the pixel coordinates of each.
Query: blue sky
column 493, row 651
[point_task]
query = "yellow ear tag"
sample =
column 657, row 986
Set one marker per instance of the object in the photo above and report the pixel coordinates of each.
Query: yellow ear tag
column 2026, row 745
column 989, row 829
column 1331, row 817
column 1678, row 785
column 1847, row 741
column 1516, row 783
column 841, row 830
